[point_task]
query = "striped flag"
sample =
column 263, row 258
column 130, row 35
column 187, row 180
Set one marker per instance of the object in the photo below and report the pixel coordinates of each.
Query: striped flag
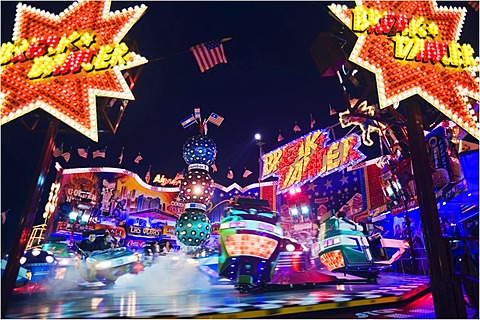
column 215, row 119
column 474, row 4
column 197, row 113
column 188, row 121
column 67, row 155
column 209, row 54
column 246, row 173
column 296, row 128
column 138, row 158
column 312, row 121
column 214, row 167
column 280, row 137
column 147, row 176
column 230, row 174
column 57, row 152
column 83, row 152
column 179, row 175
column 332, row 110
column 120, row 158
column 100, row 153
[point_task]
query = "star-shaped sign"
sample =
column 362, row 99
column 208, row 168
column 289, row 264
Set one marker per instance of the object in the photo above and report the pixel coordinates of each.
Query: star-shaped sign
column 412, row 48
column 61, row 63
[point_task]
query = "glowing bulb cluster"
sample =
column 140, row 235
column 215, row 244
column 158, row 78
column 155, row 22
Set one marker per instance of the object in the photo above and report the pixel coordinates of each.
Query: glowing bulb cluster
column 199, row 149
column 196, row 187
column 193, row 227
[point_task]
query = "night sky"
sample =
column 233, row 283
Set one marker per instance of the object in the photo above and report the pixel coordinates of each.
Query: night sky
column 269, row 83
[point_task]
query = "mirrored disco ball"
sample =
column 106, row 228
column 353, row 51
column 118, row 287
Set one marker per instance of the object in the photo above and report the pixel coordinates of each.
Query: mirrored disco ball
column 199, row 149
column 196, row 187
column 193, row 227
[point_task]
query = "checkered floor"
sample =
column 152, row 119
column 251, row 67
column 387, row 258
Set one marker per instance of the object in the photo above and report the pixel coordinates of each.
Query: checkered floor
column 221, row 301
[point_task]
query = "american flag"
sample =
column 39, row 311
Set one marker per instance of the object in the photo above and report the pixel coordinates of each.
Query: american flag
column 100, row 153
column 198, row 115
column 188, row 121
column 215, row 119
column 138, row 159
column 209, row 54
column 83, row 152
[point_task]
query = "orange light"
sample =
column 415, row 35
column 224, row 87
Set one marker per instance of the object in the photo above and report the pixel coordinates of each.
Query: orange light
column 333, row 260
column 250, row 245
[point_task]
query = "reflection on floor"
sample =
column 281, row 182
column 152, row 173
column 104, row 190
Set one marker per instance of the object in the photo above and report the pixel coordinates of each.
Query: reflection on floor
column 197, row 300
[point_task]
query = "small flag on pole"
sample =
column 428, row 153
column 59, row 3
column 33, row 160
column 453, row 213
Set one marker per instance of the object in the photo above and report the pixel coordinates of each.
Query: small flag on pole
column 214, row 167
column 209, row 54
column 57, row 152
column 205, row 127
column 215, row 119
column 332, row 110
column 100, row 153
column 179, row 175
column 246, row 173
column 296, row 128
column 197, row 113
column 120, row 158
column 83, row 152
column 280, row 137
column 147, row 176
column 312, row 121
column 138, row 158
column 67, row 155
column 230, row 174
column 188, row 121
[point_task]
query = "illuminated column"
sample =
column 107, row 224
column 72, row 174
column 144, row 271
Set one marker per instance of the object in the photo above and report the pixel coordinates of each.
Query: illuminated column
column 196, row 189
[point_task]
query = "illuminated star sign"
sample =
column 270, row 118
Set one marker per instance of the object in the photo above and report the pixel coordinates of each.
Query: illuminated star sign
column 61, row 63
column 412, row 48
column 366, row 125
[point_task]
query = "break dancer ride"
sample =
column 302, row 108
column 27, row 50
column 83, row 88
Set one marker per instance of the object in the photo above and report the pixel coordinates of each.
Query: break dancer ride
column 254, row 253
column 350, row 251
column 101, row 264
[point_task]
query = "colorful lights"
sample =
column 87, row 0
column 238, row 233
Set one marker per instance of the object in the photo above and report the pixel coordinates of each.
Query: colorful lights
column 250, row 245
column 333, row 260
column 366, row 125
column 309, row 157
column 412, row 48
column 60, row 63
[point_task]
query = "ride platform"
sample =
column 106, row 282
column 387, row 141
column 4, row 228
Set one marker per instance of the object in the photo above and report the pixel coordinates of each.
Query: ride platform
column 223, row 301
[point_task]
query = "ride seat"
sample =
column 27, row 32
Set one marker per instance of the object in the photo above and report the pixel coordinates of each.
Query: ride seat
column 376, row 248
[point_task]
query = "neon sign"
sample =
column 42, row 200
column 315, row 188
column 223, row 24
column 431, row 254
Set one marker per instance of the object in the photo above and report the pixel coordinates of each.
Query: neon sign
column 412, row 47
column 60, row 63
column 309, row 157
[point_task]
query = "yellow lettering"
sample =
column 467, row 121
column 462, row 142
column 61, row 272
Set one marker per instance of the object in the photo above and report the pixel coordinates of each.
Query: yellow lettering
column 333, row 159
column 271, row 161
column 364, row 17
column 309, row 144
column 6, row 52
column 43, row 66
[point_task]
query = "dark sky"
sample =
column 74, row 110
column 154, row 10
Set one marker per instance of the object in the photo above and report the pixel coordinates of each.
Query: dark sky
column 270, row 82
